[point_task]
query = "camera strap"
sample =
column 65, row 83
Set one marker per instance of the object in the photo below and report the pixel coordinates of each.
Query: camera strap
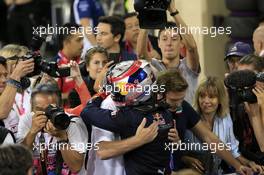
column 3, row 133
column 59, row 158
column 59, row 161
column 43, row 154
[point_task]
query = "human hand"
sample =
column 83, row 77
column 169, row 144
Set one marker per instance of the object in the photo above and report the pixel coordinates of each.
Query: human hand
column 259, row 92
column 45, row 78
column 194, row 164
column 255, row 167
column 244, row 170
column 22, row 69
column 76, row 73
column 75, row 70
column 105, row 69
column 100, row 77
column 146, row 135
column 173, row 134
column 39, row 120
column 252, row 109
column 59, row 134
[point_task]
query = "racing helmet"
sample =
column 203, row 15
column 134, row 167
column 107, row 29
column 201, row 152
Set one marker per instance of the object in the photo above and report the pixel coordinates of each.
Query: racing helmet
column 130, row 82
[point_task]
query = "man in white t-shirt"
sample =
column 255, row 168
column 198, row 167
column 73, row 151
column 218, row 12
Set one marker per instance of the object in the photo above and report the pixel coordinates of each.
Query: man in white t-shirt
column 64, row 150
column 97, row 166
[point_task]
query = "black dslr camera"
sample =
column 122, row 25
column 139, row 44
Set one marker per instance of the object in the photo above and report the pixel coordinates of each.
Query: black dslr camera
column 152, row 13
column 41, row 65
column 58, row 117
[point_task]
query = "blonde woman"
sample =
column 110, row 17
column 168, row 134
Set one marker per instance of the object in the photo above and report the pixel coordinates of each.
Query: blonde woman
column 211, row 102
column 14, row 102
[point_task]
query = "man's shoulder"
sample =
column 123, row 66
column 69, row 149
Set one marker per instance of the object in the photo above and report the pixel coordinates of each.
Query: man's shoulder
column 75, row 120
column 158, row 64
column 183, row 67
column 187, row 109
column 186, row 105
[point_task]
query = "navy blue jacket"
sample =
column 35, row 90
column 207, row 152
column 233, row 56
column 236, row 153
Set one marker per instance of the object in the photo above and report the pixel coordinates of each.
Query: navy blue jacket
column 149, row 159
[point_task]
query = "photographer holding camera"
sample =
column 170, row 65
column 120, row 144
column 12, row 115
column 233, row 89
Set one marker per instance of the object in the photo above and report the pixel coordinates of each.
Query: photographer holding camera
column 56, row 138
column 170, row 41
column 11, row 112
column 246, row 96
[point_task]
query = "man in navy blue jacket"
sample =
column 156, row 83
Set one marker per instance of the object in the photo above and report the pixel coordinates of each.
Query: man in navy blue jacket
column 151, row 158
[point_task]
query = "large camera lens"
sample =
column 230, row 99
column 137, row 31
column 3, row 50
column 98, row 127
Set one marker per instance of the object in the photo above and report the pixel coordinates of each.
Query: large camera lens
column 58, row 117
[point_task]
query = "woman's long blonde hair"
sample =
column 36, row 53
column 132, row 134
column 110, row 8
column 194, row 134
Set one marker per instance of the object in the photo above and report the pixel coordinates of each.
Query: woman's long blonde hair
column 214, row 87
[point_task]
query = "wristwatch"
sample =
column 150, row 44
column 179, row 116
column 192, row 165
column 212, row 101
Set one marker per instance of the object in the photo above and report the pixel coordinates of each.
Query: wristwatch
column 14, row 83
column 174, row 13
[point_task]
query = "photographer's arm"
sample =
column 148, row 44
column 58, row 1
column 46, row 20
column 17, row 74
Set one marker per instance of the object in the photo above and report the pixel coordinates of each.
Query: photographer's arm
column 254, row 114
column 144, row 46
column 98, row 84
column 259, row 92
column 109, row 149
column 7, row 98
column 71, row 157
column 188, row 40
column 84, row 96
column 38, row 123
column 81, row 89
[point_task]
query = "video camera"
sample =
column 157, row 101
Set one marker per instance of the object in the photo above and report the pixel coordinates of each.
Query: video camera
column 152, row 14
column 240, row 85
column 58, row 117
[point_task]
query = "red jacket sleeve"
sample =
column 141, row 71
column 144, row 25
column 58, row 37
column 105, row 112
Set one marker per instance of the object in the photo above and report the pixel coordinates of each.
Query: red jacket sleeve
column 84, row 95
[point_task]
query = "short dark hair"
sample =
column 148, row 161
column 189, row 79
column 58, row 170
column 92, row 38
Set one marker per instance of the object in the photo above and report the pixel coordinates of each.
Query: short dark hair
column 15, row 159
column 129, row 15
column 261, row 19
column 3, row 61
column 169, row 25
column 172, row 80
column 258, row 62
column 48, row 89
column 63, row 36
column 116, row 23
